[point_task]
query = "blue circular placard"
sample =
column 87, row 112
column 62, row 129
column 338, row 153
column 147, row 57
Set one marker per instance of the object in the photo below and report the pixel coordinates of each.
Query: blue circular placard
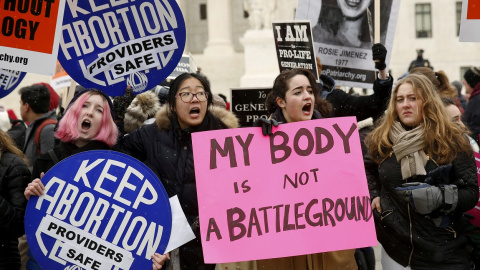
column 112, row 44
column 100, row 210
column 9, row 80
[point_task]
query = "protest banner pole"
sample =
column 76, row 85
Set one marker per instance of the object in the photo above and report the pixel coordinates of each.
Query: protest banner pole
column 377, row 21
column 70, row 92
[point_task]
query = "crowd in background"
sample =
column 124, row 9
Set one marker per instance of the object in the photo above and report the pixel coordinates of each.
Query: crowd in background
column 419, row 133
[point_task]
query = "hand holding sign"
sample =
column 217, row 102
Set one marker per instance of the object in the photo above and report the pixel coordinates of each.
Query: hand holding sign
column 34, row 188
column 159, row 260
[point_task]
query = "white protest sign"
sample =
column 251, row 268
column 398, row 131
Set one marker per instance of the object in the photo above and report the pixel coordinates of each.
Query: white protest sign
column 343, row 37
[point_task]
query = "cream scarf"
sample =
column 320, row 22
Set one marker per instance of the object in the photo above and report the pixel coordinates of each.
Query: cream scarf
column 407, row 146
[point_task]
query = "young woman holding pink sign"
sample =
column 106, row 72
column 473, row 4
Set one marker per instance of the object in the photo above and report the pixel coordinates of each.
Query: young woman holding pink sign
column 294, row 97
column 425, row 180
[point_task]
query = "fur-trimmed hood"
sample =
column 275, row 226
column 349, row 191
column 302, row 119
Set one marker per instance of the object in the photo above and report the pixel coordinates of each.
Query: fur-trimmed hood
column 162, row 118
column 143, row 107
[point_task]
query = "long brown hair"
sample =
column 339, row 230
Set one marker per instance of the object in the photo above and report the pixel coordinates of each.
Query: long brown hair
column 443, row 140
column 280, row 88
column 8, row 145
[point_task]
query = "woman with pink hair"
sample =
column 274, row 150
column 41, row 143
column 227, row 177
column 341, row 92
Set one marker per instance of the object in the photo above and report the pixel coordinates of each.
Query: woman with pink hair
column 88, row 124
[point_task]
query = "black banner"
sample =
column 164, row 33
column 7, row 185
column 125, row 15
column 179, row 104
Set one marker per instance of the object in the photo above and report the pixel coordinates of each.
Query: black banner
column 248, row 104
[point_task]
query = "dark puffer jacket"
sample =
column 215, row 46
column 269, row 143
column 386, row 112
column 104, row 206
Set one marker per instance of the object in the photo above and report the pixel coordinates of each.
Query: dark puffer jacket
column 62, row 151
column 404, row 232
column 167, row 150
column 471, row 116
column 14, row 178
column 362, row 107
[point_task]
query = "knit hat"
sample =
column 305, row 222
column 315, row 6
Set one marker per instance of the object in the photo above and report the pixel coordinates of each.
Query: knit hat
column 54, row 97
column 144, row 106
column 121, row 103
column 109, row 101
column 457, row 85
column 218, row 101
column 472, row 76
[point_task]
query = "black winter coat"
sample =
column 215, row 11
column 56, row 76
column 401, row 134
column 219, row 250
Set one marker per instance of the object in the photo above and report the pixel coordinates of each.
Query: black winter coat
column 14, row 178
column 404, row 232
column 167, row 150
column 62, row 151
column 471, row 116
column 362, row 107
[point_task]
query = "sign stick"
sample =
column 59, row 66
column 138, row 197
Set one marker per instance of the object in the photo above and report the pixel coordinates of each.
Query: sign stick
column 377, row 21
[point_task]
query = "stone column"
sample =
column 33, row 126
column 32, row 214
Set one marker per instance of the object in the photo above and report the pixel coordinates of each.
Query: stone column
column 261, row 64
column 219, row 14
column 183, row 7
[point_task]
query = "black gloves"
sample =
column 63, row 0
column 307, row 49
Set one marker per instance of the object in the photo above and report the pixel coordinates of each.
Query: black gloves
column 439, row 176
column 267, row 125
column 379, row 53
column 425, row 198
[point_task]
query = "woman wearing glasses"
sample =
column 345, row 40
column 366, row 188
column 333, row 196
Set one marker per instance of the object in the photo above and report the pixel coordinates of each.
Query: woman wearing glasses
column 166, row 147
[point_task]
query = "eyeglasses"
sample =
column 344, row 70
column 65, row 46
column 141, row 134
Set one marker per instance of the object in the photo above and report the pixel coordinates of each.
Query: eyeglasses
column 187, row 97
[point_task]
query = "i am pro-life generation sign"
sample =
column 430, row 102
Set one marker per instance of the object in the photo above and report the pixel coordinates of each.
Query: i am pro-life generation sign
column 101, row 210
column 110, row 45
column 301, row 190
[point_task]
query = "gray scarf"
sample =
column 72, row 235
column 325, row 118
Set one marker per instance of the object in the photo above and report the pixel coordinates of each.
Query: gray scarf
column 407, row 146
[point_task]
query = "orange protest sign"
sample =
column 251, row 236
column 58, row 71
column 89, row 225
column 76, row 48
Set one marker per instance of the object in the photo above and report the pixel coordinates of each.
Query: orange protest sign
column 473, row 12
column 59, row 71
column 29, row 25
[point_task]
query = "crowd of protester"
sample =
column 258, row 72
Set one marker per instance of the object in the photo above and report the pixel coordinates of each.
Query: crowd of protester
column 418, row 154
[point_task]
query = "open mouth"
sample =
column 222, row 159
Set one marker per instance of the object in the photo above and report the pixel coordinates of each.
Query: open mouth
column 195, row 111
column 86, row 124
column 307, row 108
column 353, row 3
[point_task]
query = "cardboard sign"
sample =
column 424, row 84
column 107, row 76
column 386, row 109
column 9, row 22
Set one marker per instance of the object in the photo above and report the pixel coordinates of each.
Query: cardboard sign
column 110, row 45
column 248, row 104
column 299, row 191
column 186, row 65
column 61, row 78
column 9, row 80
column 294, row 44
column 343, row 37
column 470, row 21
column 29, row 36
column 101, row 210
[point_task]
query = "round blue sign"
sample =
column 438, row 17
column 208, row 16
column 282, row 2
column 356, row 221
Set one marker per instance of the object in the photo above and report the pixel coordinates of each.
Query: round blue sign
column 100, row 210
column 109, row 45
column 9, row 80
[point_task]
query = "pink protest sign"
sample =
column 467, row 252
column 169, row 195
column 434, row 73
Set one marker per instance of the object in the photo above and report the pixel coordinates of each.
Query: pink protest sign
column 475, row 212
column 302, row 190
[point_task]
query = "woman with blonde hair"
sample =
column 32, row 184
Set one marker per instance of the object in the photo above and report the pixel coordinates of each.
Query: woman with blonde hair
column 425, row 180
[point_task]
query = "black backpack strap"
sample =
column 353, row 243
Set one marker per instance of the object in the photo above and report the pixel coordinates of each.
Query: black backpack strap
column 53, row 156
